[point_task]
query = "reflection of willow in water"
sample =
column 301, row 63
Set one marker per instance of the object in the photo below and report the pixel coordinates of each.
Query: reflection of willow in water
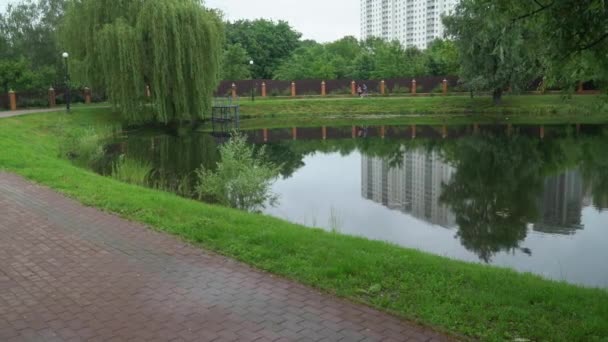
column 172, row 160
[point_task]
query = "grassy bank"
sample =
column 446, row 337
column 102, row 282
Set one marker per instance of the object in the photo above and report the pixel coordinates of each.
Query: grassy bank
column 587, row 105
column 482, row 302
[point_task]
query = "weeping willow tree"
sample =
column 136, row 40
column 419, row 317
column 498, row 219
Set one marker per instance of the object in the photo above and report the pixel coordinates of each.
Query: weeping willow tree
column 171, row 47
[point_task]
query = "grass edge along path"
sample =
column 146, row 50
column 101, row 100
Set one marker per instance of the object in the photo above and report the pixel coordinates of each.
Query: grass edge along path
column 477, row 301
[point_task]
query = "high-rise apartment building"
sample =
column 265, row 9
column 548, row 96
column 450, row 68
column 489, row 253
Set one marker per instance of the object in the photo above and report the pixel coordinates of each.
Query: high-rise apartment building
column 412, row 22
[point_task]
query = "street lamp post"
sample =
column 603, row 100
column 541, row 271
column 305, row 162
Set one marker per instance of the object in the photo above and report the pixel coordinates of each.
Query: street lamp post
column 252, row 82
column 68, row 98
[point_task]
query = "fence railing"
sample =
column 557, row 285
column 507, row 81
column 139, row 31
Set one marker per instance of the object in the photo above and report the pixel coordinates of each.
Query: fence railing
column 50, row 98
column 266, row 87
column 273, row 88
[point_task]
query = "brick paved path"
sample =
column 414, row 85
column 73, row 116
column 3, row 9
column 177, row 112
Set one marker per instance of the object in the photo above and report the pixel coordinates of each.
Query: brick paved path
column 71, row 273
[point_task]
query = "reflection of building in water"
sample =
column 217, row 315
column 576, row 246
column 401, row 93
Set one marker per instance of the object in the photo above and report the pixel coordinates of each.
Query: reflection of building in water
column 414, row 187
column 561, row 203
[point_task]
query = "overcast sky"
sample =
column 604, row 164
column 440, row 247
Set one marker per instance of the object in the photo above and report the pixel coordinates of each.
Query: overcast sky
column 321, row 20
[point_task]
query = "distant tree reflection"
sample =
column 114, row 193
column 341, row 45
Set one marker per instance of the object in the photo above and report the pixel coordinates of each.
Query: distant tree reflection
column 494, row 191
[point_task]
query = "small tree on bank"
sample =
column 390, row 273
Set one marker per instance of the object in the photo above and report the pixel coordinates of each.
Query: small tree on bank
column 243, row 178
column 172, row 46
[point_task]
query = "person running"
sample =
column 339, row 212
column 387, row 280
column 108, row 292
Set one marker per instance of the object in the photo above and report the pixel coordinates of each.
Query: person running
column 364, row 89
column 360, row 91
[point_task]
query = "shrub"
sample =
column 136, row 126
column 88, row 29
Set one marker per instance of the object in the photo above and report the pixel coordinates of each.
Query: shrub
column 243, row 178
column 131, row 171
column 84, row 146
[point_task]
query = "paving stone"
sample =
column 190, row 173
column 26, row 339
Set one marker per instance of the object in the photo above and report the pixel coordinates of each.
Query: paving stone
column 73, row 273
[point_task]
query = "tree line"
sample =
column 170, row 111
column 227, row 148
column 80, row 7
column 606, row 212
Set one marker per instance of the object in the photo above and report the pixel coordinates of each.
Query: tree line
column 31, row 45
column 504, row 43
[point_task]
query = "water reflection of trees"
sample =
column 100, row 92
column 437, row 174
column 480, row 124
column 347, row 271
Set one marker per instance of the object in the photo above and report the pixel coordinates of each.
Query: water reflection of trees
column 494, row 191
column 499, row 181
column 594, row 167
column 173, row 159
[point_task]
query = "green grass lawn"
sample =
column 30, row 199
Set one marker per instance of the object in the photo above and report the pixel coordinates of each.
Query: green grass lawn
column 513, row 105
column 481, row 302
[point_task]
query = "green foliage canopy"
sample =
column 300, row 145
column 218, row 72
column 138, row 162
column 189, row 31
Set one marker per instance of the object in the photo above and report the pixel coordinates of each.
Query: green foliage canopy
column 267, row 42
column 495, row 51
column 173, row 46
column 372, row 58
column 235, row 63
column 29, row 55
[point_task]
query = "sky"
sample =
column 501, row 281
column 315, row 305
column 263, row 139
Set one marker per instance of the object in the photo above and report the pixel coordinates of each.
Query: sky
column 321, row 20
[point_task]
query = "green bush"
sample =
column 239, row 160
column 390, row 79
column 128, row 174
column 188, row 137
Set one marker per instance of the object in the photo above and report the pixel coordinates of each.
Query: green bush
column 243, row 178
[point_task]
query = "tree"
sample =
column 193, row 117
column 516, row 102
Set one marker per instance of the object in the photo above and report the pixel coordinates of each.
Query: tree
column 15, row 75
column 268, row 43
column 174, row 46
column 235, row 64
column 441, row 58
column 575, row 38
column 28, row 35
column 393, row 61
column 308, row 62
column 30, row 29
column 495, row 51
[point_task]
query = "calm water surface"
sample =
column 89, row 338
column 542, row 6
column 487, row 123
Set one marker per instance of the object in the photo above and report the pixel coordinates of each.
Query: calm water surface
column 531, row 198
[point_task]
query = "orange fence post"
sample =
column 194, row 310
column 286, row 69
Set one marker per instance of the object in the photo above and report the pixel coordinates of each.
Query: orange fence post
column 293, row 89
column 87, row 95
column 542, row 132
column 52, row 98
column 353, row 90
column 12, row 98
column 445, row 87
column 382, row 87
column 233, row 91
column 263, row 89
column 323, row 89
column 414, row 87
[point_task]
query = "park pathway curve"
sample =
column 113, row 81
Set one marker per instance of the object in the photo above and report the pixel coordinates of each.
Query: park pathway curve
column 73, row 273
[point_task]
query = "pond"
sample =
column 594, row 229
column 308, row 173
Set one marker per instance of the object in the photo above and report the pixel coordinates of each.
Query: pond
column 531, row 198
